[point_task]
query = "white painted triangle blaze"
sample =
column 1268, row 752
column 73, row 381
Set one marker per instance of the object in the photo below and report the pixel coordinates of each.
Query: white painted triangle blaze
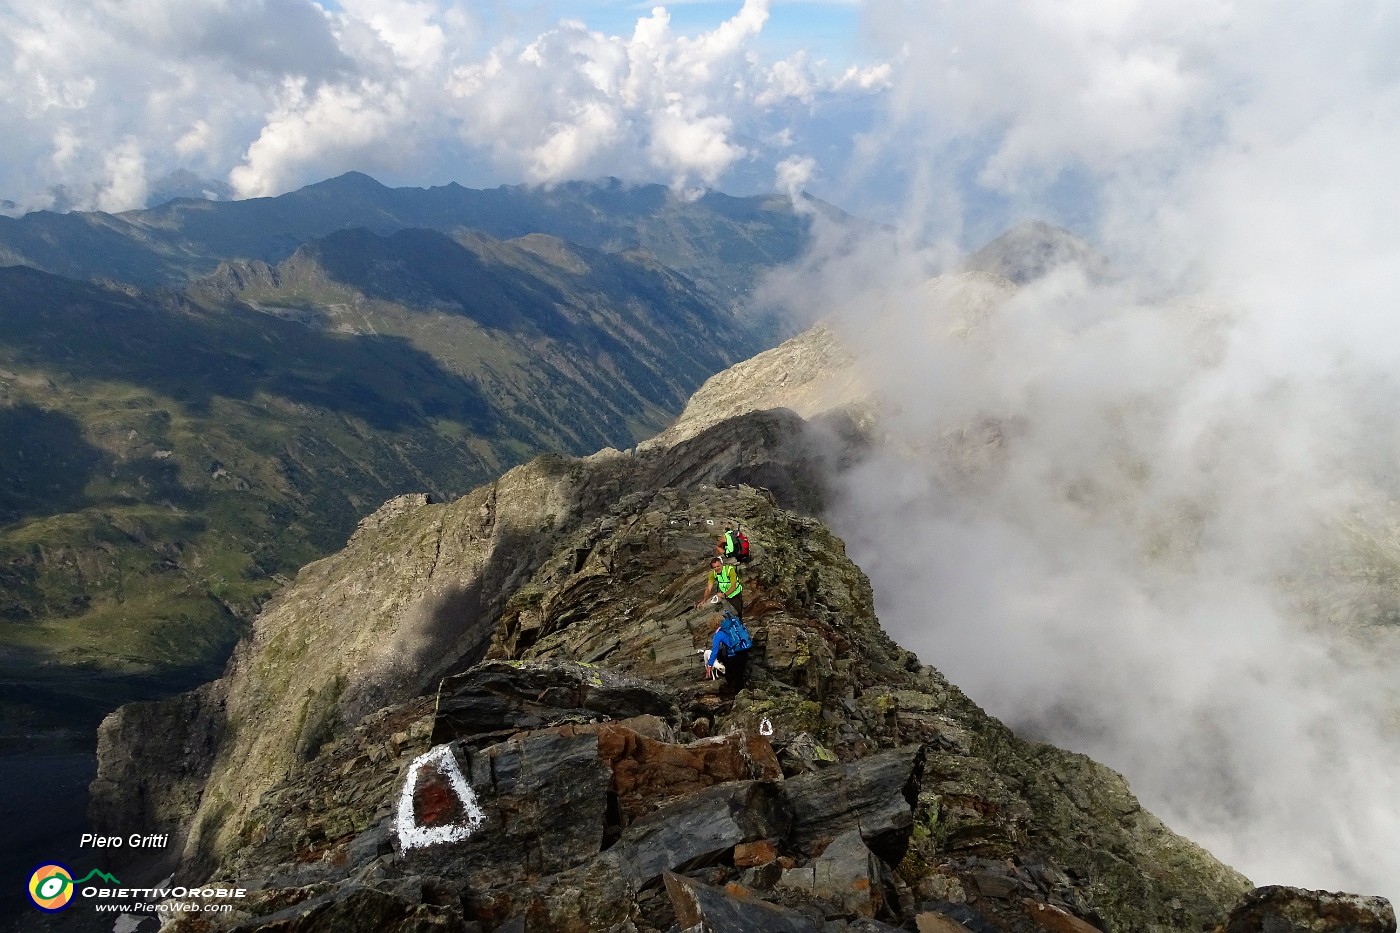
column 413, row 836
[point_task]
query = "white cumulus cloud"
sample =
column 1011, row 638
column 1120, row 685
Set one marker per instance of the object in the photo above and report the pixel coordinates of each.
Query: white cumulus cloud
column 273, row 94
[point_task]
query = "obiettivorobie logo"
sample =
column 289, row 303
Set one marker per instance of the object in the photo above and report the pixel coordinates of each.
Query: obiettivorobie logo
column 51, row 886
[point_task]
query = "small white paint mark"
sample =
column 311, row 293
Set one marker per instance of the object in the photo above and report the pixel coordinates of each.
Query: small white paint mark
column 413, row 836
column 765, row 727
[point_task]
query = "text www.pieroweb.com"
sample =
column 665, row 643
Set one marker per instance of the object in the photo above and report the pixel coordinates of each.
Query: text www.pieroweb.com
column 162, row 908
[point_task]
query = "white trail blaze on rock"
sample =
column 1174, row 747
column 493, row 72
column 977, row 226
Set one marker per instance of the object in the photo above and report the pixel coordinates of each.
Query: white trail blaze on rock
column 439, row 763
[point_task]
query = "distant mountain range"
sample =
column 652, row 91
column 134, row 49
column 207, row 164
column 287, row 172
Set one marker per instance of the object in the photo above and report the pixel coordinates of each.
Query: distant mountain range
column 722, row 242
column 198, row 399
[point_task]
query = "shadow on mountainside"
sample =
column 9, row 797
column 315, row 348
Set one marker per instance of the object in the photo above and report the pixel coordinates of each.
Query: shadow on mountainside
column 427, row 269
column 45, row 464
column 160, row 342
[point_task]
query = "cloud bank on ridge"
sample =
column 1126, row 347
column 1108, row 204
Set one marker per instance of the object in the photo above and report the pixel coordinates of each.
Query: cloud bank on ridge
column 1152, row 518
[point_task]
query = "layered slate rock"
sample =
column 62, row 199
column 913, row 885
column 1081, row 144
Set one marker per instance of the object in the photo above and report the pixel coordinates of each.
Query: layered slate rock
column 501, row 698
column 846, row 875
column 871, row 797
column 702, row 827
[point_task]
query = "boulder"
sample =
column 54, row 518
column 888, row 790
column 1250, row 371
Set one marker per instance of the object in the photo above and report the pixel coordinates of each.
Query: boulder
column 543, row 800
column 931, row 921
column 1278, row 909
column 701, row 908
column 872, row 795
column 1052, row 919
column 847, row 875
column 702, row 827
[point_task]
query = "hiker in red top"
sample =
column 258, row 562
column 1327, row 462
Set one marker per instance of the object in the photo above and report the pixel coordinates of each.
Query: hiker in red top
column 734, row 545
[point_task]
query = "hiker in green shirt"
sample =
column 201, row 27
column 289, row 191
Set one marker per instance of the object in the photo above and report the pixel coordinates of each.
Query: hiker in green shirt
column 725, row 578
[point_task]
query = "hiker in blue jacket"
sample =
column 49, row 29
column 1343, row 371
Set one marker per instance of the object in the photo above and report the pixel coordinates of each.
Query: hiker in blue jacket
column 730, row 646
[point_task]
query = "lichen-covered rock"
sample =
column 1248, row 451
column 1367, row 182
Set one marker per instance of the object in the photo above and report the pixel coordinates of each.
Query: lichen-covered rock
column 1278, row 909
column 804, row 755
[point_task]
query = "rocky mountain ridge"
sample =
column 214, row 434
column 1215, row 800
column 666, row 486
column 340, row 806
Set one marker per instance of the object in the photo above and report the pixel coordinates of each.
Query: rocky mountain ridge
column 535, row 643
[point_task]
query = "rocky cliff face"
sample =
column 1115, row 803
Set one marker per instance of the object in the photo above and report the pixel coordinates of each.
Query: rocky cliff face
column 416, row 593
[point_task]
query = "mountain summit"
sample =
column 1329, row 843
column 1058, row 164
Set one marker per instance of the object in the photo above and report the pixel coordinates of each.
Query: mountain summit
column 1032, row 250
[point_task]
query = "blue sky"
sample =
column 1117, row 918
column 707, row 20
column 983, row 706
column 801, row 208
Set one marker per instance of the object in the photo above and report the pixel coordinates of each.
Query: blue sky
column 828, row 29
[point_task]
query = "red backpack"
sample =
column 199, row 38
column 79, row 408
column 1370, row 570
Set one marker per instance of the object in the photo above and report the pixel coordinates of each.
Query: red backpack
column 742, row 554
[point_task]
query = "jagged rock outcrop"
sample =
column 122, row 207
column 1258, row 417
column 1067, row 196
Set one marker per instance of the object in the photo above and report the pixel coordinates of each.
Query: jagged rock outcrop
column 599, row 760
column 416, row 594
column 156, row 759
column 810, row 374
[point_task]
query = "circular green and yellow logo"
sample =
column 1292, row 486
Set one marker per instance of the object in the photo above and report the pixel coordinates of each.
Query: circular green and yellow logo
column 51, row 887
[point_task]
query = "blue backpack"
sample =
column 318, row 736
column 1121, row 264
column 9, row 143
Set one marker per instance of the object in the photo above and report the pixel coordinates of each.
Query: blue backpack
column 734, row 630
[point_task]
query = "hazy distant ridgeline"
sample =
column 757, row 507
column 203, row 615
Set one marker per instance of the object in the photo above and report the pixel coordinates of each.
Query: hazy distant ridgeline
column 722, row 242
